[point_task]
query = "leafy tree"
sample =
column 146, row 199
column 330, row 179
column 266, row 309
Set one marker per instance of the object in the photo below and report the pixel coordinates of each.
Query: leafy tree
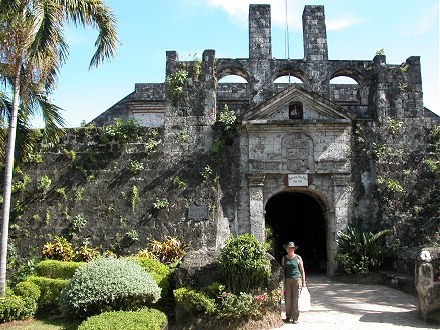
column 32, row 50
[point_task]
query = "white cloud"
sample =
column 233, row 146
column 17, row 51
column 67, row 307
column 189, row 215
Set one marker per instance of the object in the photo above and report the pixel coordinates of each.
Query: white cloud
column 238, row 11
column 343, row 23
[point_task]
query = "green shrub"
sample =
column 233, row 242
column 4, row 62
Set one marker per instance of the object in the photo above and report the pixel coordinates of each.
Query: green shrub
column 50, row 288
column 27, row 289
column 121, row 130
column 243, row 305
column 16, row 308
column 193, row 302
column 360, row 250
column 107, row 284
column 175, row 83
column 243, row 264
column 146, row 319
column 159, row 271
column 57, row 269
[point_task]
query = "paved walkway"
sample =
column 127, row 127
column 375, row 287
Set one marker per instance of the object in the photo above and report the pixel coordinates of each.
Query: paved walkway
column 340, row 306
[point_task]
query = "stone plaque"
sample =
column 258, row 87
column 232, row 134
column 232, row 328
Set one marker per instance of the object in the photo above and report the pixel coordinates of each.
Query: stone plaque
column 198, row 212
column 298, row 180
column 297, row 149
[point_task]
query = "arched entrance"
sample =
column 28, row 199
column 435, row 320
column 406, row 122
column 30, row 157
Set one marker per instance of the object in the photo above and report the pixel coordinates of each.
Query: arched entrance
column 298, row 217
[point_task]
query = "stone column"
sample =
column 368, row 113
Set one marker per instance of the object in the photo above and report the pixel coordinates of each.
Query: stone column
column 316, row 49
column 256, row 206
column 260, row 54
column 428, row 281
column 260, row 42
column 341, row 197
column 314, row 34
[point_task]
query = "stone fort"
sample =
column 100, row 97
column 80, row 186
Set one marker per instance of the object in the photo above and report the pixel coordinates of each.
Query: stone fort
column 302, row 159
column 295, row 140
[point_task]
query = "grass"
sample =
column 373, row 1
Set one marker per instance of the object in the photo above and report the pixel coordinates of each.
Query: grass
column 46, row 324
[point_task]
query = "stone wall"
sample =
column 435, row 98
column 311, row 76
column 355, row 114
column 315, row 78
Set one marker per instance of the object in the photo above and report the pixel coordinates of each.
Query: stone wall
column 96, row 194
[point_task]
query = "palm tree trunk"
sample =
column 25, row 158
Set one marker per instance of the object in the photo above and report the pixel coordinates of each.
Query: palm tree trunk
column 8, row 180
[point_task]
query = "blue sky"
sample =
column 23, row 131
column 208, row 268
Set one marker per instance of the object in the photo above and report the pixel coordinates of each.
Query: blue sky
column 149, row 28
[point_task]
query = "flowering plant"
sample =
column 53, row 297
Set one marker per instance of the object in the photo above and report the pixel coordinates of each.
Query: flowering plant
column 270, row 299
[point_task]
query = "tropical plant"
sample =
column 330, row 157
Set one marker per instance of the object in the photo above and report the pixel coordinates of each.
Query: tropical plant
column 59, row 249
column 359, row 250
column 135, row 166
column 168, row 251
column 86, row 252
column 32, row 50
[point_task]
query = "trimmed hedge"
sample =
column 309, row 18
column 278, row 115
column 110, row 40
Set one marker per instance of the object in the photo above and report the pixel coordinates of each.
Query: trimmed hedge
column 57, row 269
column 158, row 270
column 193, row 302
column 146, row 319
column 16, row 308
column 27, row 289
column 108, row 284
column 48, row 303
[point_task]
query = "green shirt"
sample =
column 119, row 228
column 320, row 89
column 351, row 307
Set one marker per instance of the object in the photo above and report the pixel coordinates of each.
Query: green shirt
column 291, row 268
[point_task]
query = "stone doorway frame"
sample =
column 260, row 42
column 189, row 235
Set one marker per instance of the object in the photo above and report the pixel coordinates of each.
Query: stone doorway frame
column 335, row 206
column 318, row 199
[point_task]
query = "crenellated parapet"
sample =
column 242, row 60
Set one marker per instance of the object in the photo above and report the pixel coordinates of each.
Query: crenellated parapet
column 379, row 90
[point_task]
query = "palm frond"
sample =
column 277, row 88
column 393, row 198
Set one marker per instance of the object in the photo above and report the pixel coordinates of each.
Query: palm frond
column 96, row 14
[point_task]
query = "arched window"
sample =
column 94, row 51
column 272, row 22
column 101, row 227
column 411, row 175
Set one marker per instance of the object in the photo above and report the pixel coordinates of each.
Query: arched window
column 295, row 110
column 285, row 79
column 232, row 79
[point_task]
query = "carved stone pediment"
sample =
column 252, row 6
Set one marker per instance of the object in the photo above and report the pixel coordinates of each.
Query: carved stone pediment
column 314, row 108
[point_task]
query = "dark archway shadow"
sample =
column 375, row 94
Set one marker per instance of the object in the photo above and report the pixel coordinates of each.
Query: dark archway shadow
column 298, row 217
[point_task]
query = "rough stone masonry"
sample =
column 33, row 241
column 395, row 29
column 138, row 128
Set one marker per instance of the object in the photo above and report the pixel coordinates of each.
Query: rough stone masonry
column 316, row 144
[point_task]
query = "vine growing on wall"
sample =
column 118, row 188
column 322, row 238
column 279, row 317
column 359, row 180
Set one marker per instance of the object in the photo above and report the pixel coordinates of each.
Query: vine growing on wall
column 407, row 179
column 197, row 67
column 227, row 129
column 175, row 83
column 121, row 130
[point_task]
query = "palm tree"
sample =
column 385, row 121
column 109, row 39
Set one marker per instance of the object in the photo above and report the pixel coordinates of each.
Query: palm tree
column 32, row 50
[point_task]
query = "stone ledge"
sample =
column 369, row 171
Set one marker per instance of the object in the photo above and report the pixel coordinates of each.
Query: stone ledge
column 400, row 281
